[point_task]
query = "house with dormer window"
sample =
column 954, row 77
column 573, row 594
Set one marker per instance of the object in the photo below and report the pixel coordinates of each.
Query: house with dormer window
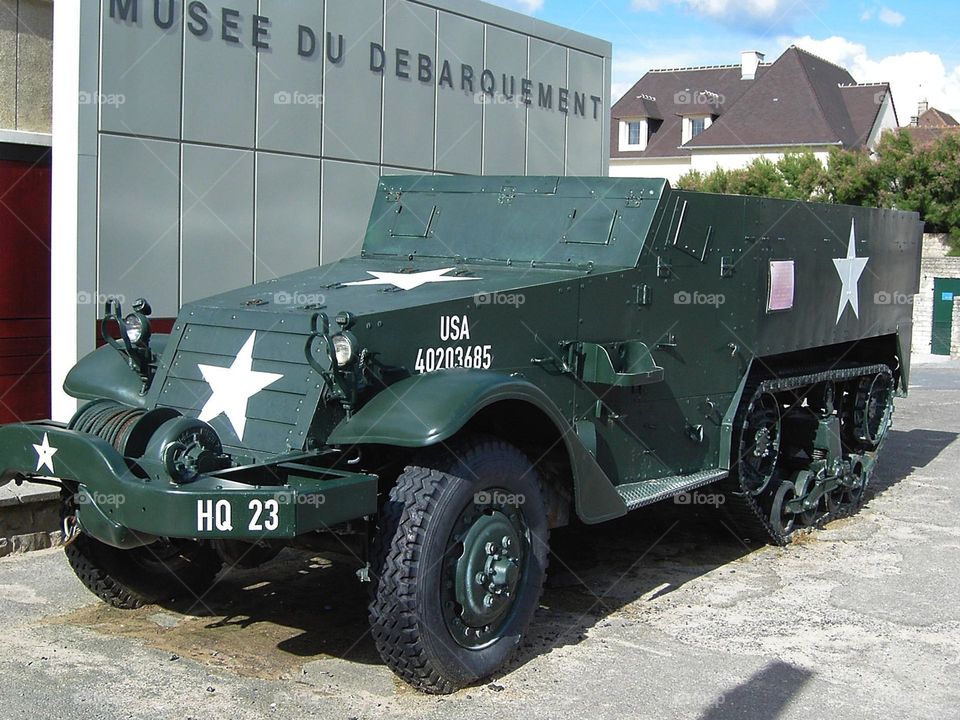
column 677, row 120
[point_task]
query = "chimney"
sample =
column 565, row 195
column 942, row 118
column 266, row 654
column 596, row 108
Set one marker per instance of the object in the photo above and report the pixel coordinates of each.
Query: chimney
column 749, row 63
column 923, row 107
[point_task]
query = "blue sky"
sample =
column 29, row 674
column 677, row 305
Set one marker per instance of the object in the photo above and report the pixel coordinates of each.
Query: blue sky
column 915, row 46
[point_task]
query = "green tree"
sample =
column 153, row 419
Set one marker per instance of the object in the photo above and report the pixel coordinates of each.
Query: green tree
column 803, row 175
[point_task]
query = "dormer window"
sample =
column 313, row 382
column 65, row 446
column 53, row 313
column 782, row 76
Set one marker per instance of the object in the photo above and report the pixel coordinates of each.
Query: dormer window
column 634, row 133
column 693, row 125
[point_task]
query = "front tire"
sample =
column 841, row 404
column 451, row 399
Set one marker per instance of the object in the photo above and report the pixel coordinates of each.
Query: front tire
column 128, row 579
column 460, row 556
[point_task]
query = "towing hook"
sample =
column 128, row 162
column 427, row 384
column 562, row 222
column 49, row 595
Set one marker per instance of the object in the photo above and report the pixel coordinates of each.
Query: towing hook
column 70, row 527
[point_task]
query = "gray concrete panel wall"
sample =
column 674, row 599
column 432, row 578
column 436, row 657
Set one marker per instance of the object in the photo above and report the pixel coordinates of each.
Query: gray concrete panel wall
column 240, row 140
column 287, row 215
column 26, row 65
column 142, row 177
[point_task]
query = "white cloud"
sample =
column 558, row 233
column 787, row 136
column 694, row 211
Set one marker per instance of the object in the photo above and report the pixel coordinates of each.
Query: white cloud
column 913, row 76
column 525, row 6
column 749, row 14
column 727, row 9
column 891, row 17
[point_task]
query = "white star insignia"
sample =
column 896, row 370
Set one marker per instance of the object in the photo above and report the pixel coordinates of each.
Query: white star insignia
column 45, row 453
column 409, row 281
column 850, row 269
column 234, row 386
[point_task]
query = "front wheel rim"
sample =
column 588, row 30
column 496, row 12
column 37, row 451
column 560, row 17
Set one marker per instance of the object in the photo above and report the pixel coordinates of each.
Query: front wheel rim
column 489, row 550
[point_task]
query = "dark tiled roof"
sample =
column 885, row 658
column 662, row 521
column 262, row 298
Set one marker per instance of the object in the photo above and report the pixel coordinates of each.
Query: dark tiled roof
column 863, row 107
column 697, row 90
column 800, row 99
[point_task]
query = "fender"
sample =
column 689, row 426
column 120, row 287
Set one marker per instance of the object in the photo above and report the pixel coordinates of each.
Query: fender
column 104, row 374
column 424, row 410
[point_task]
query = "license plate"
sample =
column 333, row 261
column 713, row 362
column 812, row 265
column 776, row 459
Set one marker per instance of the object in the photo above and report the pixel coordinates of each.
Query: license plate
column 242, row 517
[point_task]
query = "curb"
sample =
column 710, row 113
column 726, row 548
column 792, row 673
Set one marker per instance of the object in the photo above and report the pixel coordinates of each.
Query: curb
column 29, row 518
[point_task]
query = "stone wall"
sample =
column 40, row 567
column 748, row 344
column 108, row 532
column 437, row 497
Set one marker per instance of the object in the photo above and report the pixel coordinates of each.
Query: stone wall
column 26, row 65
column 955, row 335
column 29, row 517
column 935, row 264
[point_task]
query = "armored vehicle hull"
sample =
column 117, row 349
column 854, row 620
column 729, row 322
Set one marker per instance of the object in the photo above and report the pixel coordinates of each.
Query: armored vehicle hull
column 505, row 354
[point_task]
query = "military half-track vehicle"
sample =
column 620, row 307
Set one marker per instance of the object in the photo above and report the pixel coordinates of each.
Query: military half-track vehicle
column 505, row 356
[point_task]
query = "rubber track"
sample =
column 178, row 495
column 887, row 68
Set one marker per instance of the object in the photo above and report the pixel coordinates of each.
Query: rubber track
column 741, row 507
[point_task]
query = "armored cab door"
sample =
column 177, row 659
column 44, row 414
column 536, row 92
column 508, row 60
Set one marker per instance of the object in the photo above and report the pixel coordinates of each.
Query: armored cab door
column 613, row 359
column 945, row 292
column 661, row 417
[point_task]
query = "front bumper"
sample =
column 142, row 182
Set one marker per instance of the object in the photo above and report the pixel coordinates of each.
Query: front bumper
column 118, row 507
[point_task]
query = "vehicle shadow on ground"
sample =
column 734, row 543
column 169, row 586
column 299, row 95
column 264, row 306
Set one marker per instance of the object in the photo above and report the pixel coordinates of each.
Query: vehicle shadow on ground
column 906, row 451
column 303, row 607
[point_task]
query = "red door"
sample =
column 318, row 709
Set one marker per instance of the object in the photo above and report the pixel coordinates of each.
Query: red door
column 24, row 290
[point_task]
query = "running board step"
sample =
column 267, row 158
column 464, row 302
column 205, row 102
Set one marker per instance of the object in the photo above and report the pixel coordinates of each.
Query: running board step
column 638, row 494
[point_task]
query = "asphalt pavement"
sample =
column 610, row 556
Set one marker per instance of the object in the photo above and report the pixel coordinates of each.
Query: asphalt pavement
column 665, row 614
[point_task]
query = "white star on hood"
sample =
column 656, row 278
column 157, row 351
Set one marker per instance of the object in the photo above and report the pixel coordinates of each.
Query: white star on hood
column 850, row 269
column 234, row 386
column 45, row 453
column 409, row 281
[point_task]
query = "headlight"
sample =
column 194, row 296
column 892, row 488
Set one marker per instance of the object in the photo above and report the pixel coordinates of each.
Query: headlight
column 345, row 349
column 137, row 328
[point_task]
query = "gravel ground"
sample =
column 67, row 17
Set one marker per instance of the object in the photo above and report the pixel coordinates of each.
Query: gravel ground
column 665, row 614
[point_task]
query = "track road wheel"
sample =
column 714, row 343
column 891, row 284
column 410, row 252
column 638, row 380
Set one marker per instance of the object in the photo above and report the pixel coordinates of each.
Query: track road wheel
column 460, row 560
column 834, row 500
column 780, row 519
column 854, row 496
column 160, row 572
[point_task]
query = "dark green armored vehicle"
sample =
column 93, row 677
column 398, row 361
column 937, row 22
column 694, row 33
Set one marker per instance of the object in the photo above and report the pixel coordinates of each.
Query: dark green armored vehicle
column 505, row 356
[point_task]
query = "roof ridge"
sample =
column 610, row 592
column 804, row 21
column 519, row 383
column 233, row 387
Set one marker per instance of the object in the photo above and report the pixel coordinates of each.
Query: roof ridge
column 818, row 57
column 702, row 67
column 856, row 84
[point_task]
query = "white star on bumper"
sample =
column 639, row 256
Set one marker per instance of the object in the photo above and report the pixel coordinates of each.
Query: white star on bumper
column 234, row 386
column 850, row 269
column 45, row 453
column 409, row 281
